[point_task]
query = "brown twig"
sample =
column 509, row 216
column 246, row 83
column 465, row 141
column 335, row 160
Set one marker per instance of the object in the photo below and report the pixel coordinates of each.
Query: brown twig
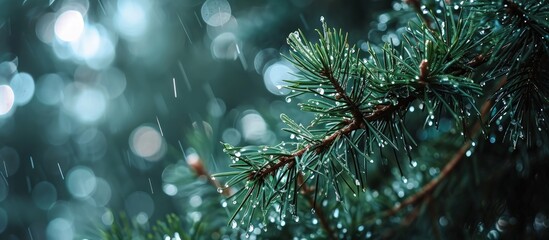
column 195, row 163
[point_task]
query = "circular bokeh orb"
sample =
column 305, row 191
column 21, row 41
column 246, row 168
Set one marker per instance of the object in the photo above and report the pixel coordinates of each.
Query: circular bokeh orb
column 22, row 85
column 146, row 142
column 275, row 77
column 216, row 12
column 69, row 26
column 7, row 99
column 50, row 89
column 81, row 182
column 44, row 195
column 60, row 229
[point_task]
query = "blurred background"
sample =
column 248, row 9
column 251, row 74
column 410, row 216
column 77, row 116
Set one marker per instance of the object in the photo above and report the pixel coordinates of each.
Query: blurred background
column 103, row 103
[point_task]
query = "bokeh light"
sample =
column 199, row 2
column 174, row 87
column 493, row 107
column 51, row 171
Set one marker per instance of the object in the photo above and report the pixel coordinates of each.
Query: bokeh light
column 50, row 89
column 69, row 26
column 81, row 182
column 7, row 99
column 254, row 128
column 131, row 18
column 44, row 195
column 275, row 76
column 60, row 229
column 146, row 142
column 113, row 81
column 86, row 103
column 22, row 85
column 224, row 46
column 103, row 192
column 10, row 160
column 216, row 12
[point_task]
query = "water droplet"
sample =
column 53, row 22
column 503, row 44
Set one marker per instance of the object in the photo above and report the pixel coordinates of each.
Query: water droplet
column 288, row 99
column 220, row 190
column 234, row 224
column 296, row 218
column 251, row 228
column 313, row 211
column 468, row 153
column 320, row 91
column 322, row 18
column 404, row 179
column 237, row 154
column 414, row 164
column 224, row 204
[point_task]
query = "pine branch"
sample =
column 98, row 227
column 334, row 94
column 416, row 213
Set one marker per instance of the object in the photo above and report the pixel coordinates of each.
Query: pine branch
column 381, row 112
column 428, row 188
column 370, row 97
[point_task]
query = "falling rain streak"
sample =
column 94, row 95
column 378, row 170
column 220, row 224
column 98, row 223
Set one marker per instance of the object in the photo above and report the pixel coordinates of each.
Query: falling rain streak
column 185, row 29
column 61, row 171
column 174, row 88
column 159, row 127
column 184, row 75
column 30, row 233
column 150, row 184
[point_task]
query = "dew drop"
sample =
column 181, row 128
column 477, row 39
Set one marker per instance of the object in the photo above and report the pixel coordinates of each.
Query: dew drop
column 251, row 228
column 234, row 224
column 404, row 179
column 468, row 153
column 320, row 91
column 414, row 164
column 288, row 99
column 237, row 154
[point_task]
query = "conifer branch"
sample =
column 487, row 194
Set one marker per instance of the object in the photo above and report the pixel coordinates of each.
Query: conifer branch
column 428, row 188
column 380, row 112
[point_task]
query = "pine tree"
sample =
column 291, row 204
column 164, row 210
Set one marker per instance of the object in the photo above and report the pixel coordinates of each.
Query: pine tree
column 473, row 74
column 441, row 135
